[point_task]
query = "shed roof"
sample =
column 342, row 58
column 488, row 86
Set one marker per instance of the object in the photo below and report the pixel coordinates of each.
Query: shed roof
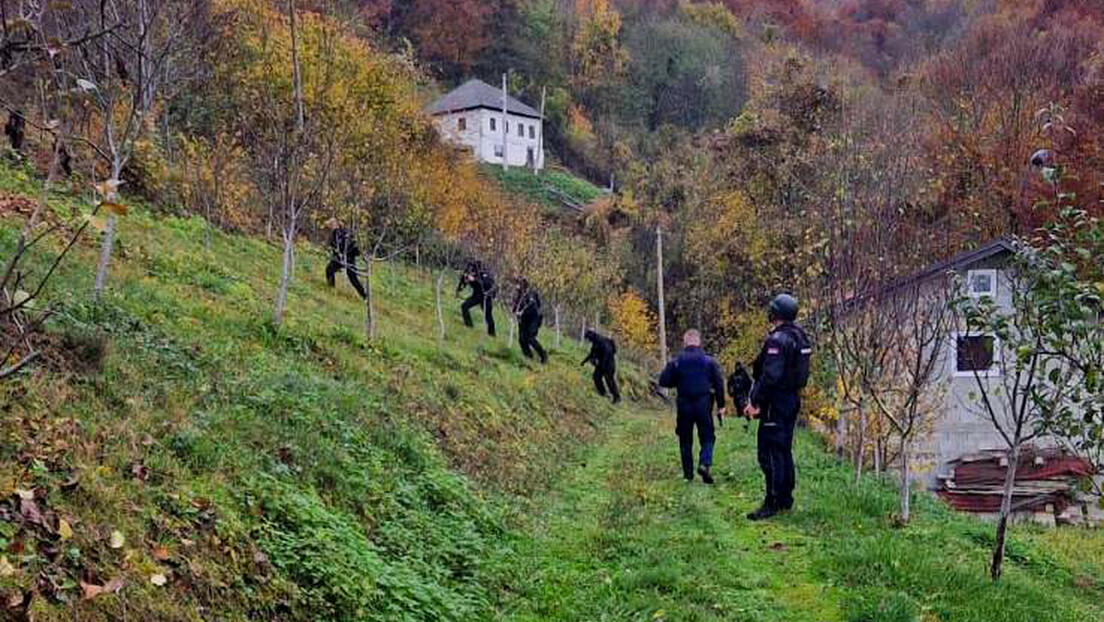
column 958, row 262
column 478, row 94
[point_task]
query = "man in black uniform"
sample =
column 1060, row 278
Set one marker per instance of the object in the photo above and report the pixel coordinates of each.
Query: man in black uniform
column 343, row 255
column 603, row 353
column 482, row 294
column 527, row 309
column 697, row 378
column 15, row 129
column 781, row 370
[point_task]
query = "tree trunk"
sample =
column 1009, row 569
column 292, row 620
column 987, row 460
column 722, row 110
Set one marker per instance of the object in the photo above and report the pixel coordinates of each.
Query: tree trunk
column 105, row 254
column 369, row 304
column 997, row 566
column 841, row 434
column 878, row 456
column 287, row 265
column 861, row 445
column 659, row 291
column 582, row 332
column 556, row 309
column 109, row 229
column 440, row 312
column 297, row 81
column 513, row 327
column 906, row 481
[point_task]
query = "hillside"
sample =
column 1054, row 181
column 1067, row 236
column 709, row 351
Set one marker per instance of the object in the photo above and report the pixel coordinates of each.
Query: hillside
column 207, row 466
column 294, row 474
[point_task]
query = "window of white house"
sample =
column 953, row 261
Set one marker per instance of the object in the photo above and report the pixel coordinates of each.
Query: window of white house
column 492, row 124
column 976, row 354
column 521, row 130
column 533, row 132
column 462, row 124
column 507, row 124
column 498, row 151
column 982, row 283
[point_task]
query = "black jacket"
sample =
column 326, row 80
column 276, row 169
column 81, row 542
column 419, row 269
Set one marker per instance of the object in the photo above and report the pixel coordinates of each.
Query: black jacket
column 343, row 245
column 603, row 351
column 527, row 304
column 772, row 368
column 694, row 374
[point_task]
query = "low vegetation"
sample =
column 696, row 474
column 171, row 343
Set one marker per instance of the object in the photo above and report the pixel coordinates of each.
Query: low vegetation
column 205, row 464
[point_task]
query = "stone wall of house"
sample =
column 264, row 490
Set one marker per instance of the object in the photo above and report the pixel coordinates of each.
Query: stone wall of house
column 486, row 143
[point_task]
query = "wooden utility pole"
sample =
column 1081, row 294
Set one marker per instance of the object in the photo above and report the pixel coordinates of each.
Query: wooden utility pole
column 505, row 128
column 662, row 306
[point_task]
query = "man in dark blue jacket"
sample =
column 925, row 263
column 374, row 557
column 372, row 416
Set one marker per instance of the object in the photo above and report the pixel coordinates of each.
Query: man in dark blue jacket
column 780, row 371
column 697, row 378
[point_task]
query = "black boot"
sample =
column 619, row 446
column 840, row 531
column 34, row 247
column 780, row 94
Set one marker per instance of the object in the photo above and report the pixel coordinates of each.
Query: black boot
column 703, row 470
column 764, row 512
column 688, row 475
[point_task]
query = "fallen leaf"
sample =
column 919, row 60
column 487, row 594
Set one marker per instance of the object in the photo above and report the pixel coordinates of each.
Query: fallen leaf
column 25, row 494
column 64, row 530
column 117, row 540
column 158, row 579
column 160, row 553
column 29, row 510
column 91, row 590
column 15, row 600
column 114, row 208
column 6, row 569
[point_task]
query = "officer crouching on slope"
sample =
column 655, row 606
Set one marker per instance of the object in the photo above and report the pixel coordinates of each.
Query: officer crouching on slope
column 780, row 371
column 697, row 378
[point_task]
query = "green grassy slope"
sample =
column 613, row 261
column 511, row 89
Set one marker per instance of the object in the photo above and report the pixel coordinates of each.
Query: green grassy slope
column 625, row 538
column 299, row 474
column 535, row 188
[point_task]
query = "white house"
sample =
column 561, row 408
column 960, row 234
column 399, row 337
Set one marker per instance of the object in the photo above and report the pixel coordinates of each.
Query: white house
column 472, row 116
column 959, row 431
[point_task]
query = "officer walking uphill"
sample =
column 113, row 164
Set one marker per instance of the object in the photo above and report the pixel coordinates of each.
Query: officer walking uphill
column 527, row 309
column 343, row 255
column 697, row 378
column 780, row 371
column 483, row 289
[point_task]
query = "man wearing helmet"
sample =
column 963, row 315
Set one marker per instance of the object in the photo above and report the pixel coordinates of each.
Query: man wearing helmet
column 780, row 371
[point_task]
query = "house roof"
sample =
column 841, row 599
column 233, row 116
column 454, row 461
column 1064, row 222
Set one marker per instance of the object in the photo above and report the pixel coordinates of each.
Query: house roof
column 958, row 262
column 962, row 260
column 478, row 94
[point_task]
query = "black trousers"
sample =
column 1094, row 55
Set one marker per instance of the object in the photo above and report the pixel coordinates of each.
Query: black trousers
column 488, row 311
column 775, row 451
column 608, row 375
column 695, row 413
column 528, row 327
column 337, row 264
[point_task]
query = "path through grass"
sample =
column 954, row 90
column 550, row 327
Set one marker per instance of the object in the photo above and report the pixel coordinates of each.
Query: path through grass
column 624, row 538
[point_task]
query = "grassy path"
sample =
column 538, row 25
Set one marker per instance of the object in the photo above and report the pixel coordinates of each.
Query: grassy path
column 623, row 537
column 627, row 539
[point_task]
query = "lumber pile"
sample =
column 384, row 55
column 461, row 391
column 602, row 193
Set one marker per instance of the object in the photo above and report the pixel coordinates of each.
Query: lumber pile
column 1046, row 488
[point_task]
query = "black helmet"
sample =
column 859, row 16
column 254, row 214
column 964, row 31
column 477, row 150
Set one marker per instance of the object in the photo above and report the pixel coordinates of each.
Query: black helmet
column 783, row 307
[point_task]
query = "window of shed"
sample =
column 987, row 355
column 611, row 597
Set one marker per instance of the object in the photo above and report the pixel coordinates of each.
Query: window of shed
column 492, row 124
column 533, row 132
column 975, row 354
column 982, row 283
column 462, row 124
column 521, row 130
